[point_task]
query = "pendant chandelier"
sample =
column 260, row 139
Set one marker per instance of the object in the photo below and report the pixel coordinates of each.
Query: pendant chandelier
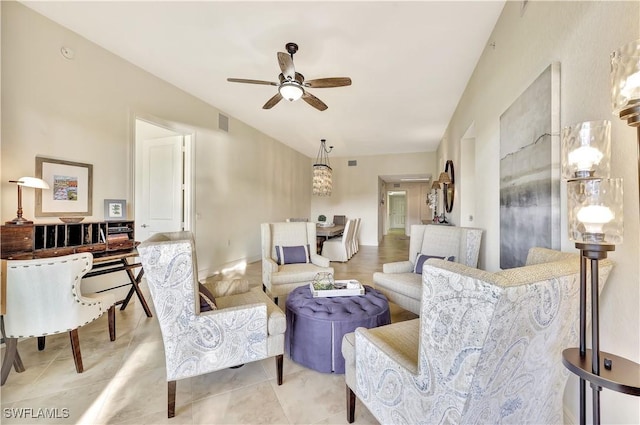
column 322, row 171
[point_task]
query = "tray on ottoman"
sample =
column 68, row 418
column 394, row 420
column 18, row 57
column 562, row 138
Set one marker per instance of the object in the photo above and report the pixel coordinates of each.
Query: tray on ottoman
column 339, row 288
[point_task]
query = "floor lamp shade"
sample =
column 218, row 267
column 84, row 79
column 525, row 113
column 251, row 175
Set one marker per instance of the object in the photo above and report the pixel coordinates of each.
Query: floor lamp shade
column 595, row 213
column 586, row 149
column 625, row 76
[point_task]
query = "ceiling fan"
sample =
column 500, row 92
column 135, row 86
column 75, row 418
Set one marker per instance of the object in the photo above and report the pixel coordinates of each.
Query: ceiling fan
column 291, row 85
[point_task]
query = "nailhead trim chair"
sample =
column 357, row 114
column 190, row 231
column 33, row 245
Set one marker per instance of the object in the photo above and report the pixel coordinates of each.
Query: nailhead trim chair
column 44, row 297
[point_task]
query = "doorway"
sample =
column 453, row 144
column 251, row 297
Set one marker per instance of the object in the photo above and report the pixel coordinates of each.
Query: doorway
column 397, row 209
column 162, row 183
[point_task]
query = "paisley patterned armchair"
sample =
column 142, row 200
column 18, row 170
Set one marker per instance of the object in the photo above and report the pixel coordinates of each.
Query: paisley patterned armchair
column 242, row 326
column 486, row 348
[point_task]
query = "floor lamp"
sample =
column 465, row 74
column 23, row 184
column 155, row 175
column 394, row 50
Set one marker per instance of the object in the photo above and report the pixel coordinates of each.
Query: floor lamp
column 594, row 203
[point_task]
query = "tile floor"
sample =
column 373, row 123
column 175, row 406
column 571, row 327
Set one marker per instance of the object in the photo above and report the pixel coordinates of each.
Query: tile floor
column 124, row 381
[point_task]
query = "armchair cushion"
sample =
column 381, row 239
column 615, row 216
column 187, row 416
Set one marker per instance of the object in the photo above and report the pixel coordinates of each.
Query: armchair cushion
column 292, row 254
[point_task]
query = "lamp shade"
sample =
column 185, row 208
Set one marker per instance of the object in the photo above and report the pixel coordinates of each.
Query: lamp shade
column 291, row 91
column 32, row 182
column 595, row 210
column 586, row 149
column 625, row 76
column 435, row 185
column 444, row 178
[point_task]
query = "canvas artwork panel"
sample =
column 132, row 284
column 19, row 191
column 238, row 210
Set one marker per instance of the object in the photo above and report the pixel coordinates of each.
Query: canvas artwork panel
column 530, row 170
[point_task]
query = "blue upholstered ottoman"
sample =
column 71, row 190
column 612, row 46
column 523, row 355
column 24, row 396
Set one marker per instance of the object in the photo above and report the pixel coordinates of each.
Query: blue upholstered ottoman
column 315, row 326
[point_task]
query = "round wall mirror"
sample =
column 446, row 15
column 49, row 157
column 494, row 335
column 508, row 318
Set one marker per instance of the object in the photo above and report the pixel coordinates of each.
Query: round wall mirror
column 449, row 189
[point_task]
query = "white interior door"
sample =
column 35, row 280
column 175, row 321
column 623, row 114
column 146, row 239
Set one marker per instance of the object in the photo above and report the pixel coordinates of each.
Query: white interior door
column 397, row 211
column 159, row 202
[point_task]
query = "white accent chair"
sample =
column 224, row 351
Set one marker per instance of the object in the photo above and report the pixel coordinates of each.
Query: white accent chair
column 487, row 347
column 341, row 248
column 244, row 327
column 281, row 279
column 398, row 281
column 44, row 297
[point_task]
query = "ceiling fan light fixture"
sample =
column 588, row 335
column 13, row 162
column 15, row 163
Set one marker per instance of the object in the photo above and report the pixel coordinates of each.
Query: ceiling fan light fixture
column 291, row 91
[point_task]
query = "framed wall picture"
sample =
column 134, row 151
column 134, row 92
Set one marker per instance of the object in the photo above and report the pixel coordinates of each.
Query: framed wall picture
column 71, row 188
column 115, row 209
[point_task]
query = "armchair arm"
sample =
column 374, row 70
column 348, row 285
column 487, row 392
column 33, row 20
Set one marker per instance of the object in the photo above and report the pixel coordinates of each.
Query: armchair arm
column 398, row 267
column 319, row 260
column 268, row 267
column 215, row 340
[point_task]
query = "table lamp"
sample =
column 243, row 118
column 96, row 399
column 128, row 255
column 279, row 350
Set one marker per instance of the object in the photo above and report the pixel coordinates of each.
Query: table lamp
column 26, row 182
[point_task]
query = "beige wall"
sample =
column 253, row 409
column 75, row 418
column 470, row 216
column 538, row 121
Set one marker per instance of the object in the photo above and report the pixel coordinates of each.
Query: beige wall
column 81, row 110
column 355, row 189
column 581, row 36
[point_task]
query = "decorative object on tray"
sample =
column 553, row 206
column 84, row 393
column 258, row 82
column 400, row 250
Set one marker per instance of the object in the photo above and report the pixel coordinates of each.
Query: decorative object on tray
column 71, row 219
column 324, row 285
column 322, row 221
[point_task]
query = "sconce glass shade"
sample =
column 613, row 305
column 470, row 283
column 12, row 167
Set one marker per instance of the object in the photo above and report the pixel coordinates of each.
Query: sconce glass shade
column 625, row 76
column 586, row 150
column 595, row 210
column 435, row 185
column 322, row 183
column 291, row 91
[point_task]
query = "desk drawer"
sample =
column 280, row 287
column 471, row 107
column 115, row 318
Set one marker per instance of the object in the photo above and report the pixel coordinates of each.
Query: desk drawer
column 16, row 240
column 120, row 245
column 55, row 252
column 98, row 247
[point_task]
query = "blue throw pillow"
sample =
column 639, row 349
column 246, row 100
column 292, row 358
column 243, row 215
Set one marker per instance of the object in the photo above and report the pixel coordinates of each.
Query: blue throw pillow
column 292, row 254
column 423, row 257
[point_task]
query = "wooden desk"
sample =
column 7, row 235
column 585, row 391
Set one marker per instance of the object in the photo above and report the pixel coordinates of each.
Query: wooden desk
column 111, row 262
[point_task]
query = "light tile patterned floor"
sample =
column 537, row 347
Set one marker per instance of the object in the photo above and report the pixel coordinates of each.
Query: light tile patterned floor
column 124, row 381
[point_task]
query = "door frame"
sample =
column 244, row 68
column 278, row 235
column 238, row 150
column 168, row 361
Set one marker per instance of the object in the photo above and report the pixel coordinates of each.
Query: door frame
column 188, row 206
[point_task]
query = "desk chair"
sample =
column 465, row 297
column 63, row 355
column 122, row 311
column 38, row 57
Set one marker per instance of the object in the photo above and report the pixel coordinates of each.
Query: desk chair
column 44, row 297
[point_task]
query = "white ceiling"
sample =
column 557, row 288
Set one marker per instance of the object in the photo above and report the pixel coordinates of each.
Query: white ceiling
column 409, row 61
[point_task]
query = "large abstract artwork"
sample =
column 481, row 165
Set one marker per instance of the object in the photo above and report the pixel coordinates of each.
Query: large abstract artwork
column 530, row 170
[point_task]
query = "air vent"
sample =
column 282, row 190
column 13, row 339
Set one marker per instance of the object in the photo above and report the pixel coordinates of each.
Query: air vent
column 396, row 185
column 353, row 163
column 223, row 122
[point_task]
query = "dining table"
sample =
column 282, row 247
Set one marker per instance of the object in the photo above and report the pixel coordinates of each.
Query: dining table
column 325, row 232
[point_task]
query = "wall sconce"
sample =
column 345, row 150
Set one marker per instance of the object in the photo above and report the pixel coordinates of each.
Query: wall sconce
column 26, row 182
column 322, row 181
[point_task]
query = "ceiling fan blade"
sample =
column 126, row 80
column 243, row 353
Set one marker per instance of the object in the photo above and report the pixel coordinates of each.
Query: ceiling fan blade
column 273, row 101
column 286, row 65
column 328, row 82
column 243, row 80
column 314, row 101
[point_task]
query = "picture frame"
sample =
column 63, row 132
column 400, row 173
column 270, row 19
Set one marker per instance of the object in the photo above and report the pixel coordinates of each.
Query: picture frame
column 115, row 209
column 71, row 188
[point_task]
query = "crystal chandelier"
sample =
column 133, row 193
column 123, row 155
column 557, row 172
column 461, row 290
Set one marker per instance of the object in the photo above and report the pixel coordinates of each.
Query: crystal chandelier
column 322, row 171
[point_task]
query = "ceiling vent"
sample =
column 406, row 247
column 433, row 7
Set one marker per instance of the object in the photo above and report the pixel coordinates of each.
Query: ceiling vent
column 223, row 122
column 352, row 163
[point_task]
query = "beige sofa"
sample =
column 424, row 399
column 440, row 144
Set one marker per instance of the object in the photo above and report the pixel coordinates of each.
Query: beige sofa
column 399, row 281
column 487, row 347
